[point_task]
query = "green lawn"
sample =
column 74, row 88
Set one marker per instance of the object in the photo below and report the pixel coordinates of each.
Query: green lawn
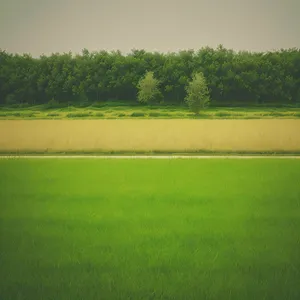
column 119, row 111
column 149, row 229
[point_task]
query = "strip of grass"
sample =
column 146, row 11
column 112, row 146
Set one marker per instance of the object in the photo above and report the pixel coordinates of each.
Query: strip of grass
column 120, row 229
column 22, row 114
column 166, row 112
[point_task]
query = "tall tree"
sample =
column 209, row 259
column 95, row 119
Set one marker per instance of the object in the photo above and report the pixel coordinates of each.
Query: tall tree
column 197, row 96
column 148, row 88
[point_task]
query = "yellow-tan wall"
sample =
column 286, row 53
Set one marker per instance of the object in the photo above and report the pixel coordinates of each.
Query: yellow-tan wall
column 150, row 135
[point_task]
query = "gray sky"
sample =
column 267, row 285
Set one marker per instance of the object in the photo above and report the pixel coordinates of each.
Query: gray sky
column 46, row 26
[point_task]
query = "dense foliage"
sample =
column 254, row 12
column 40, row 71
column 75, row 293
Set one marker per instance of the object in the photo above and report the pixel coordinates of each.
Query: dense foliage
column 232, row 77
column 197, row 96
column 148, row 87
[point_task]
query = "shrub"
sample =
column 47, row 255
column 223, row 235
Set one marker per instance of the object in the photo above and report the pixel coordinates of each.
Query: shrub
column 159, row 114
column 84, row 104
column 16, row 105
column 27, row 114
column 222, row 114
column 52, row 114
column 137, row 114
column 20, row 114
column 78, row 115
column 97, row 104
column 23, row 105
column 277, row 114
column 251, row 117
column 99, row 114
column 121, row 115
column 154, row 114
column 53, row 104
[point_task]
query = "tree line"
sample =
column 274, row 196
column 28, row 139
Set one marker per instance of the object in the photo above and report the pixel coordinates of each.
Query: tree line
column 232, row 77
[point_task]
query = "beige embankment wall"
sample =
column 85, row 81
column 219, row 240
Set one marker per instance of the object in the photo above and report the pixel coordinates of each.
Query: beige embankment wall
column 150, row 135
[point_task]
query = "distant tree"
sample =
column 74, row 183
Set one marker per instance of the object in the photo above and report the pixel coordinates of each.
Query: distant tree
column 197, row 96
column 148, row 89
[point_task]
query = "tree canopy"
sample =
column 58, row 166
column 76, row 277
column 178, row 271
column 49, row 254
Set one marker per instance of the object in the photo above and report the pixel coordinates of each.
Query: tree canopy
column 197, row 96
column 241, row 78
column 148, row 89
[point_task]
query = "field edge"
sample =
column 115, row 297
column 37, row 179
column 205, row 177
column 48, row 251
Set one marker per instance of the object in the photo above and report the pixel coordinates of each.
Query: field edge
column 149, row 153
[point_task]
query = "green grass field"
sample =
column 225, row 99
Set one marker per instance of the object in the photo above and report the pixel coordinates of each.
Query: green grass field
column 149, row 229
column 122, row 111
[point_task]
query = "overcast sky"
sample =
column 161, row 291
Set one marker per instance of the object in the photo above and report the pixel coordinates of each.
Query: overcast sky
column 46, row 26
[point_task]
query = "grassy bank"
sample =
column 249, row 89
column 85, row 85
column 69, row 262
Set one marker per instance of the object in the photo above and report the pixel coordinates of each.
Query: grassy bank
column 119, row 111
column 209, row 229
